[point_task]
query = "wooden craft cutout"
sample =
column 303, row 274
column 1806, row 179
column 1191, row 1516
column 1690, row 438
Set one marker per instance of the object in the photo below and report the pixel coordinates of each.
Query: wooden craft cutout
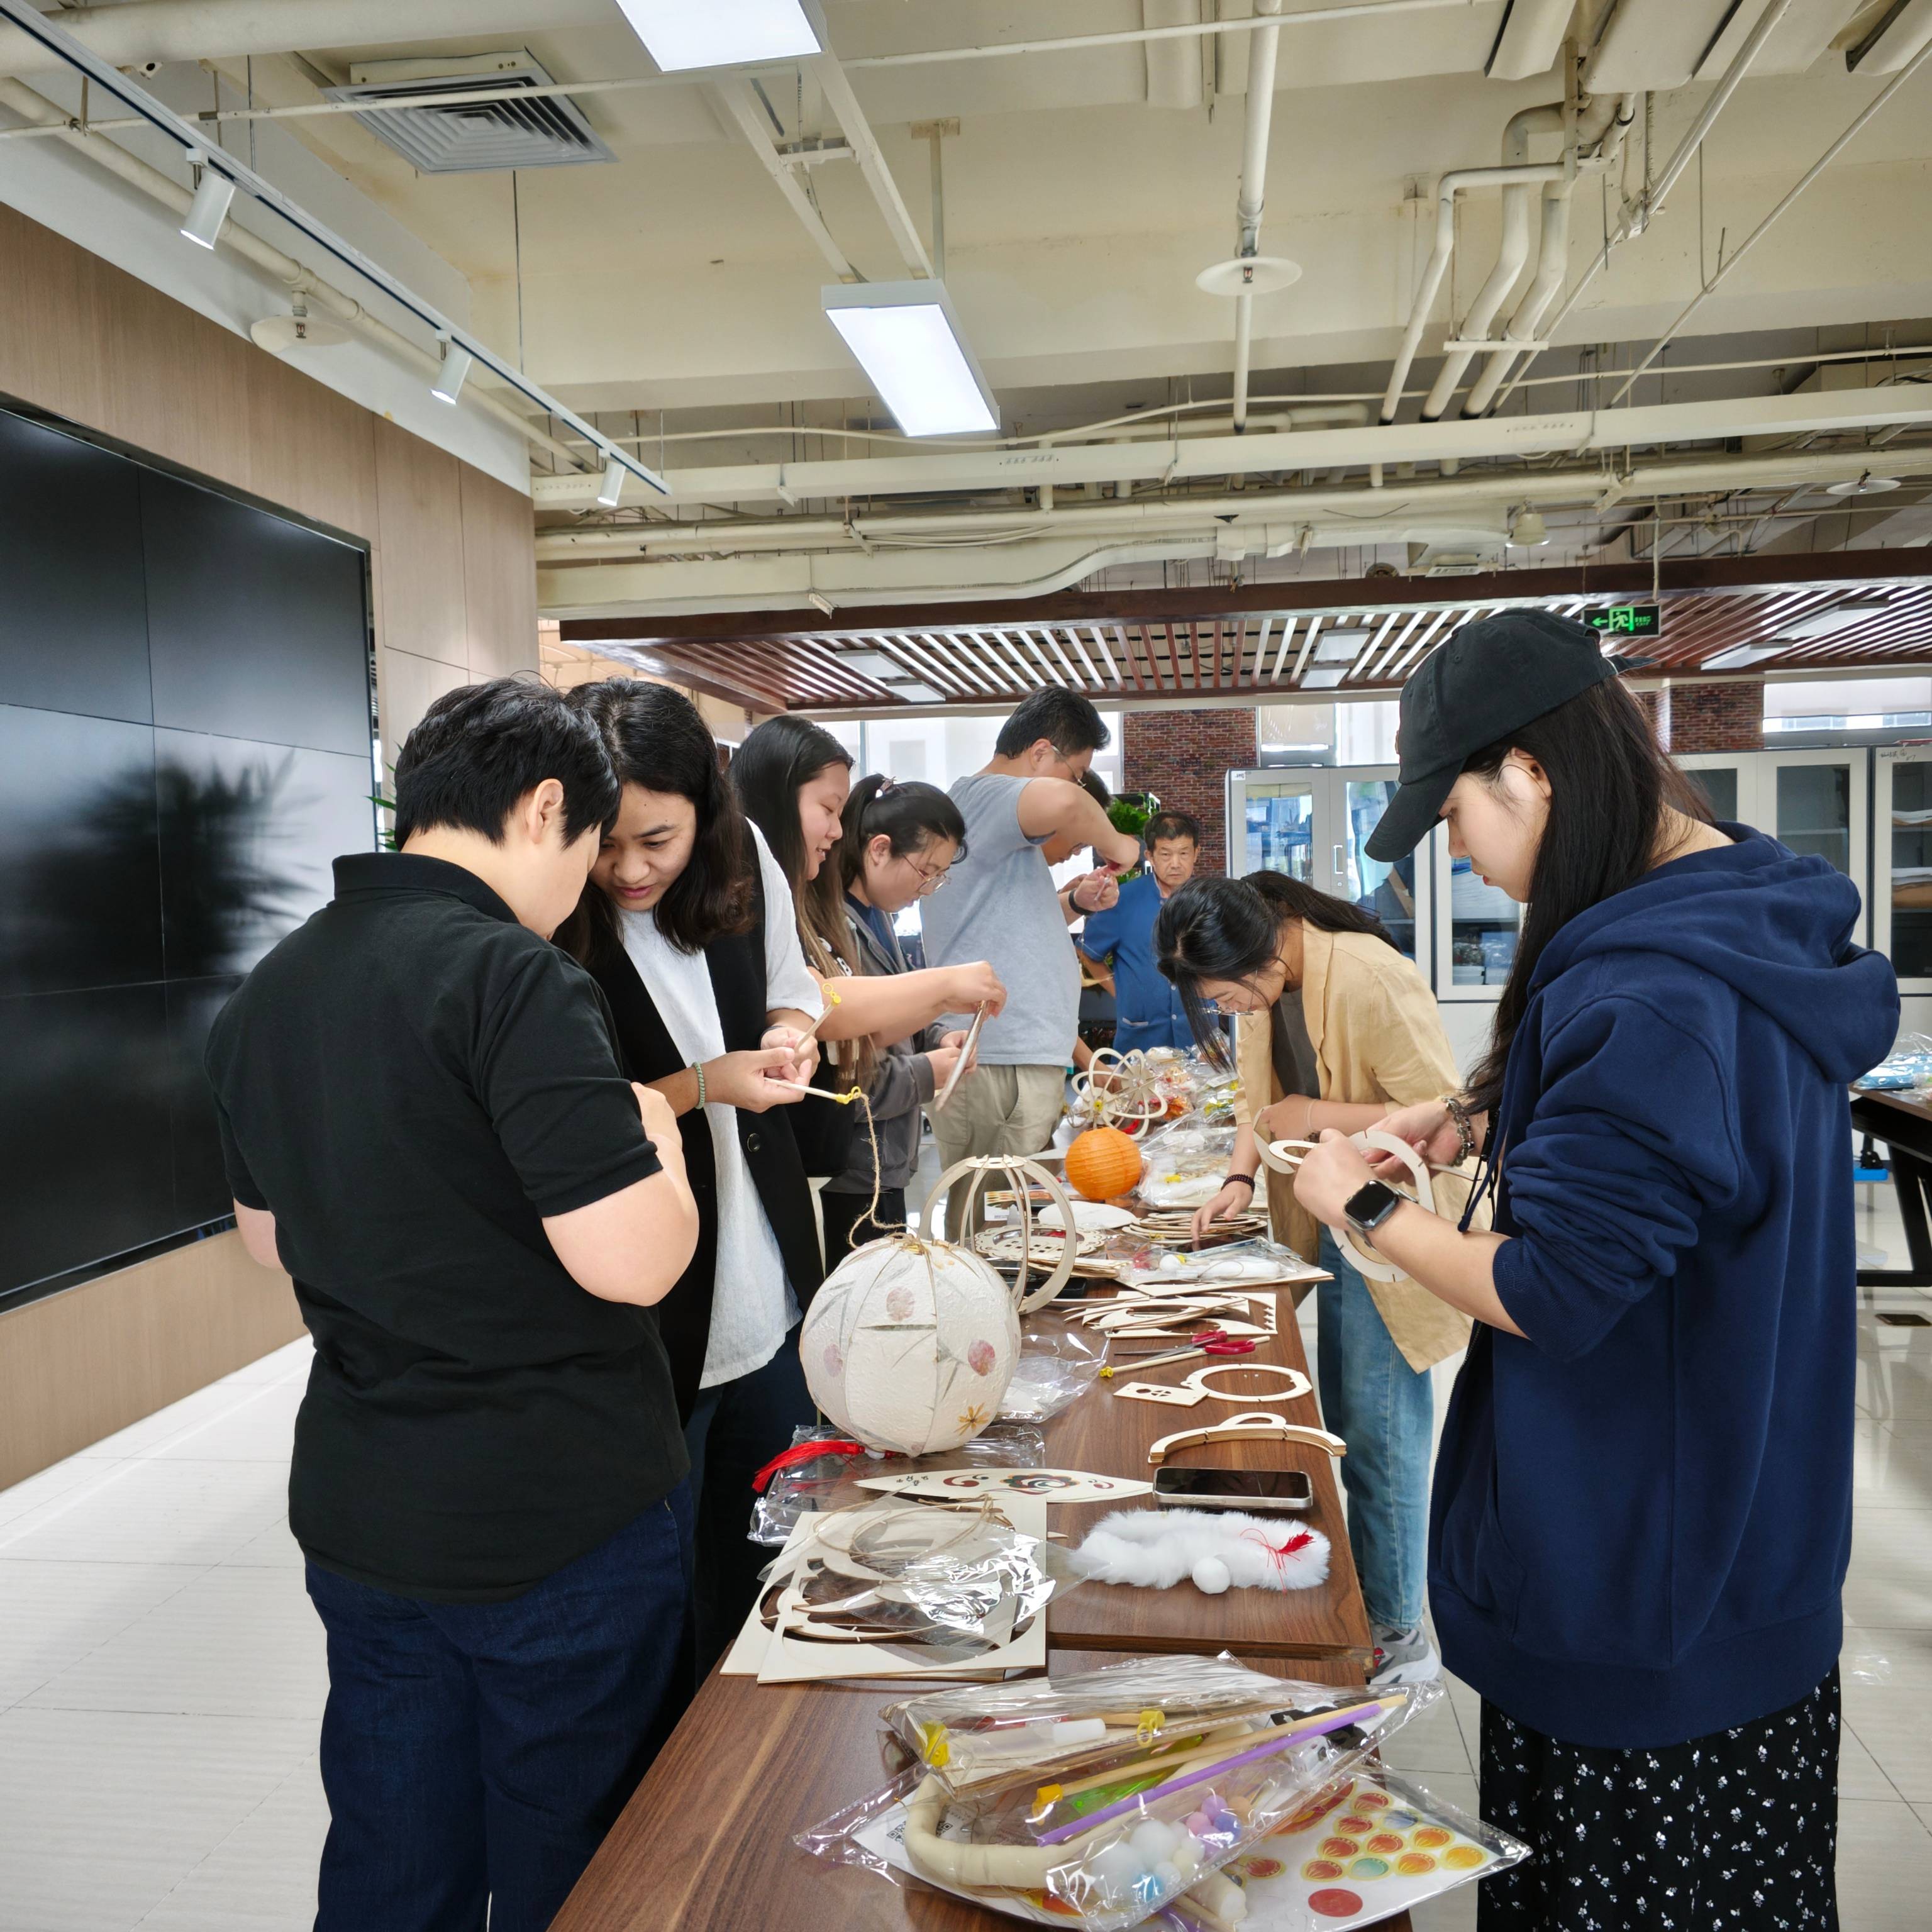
column 1257, row 1425
column 1284, row 1156
column 1050, row 1486
column 1195, row 1389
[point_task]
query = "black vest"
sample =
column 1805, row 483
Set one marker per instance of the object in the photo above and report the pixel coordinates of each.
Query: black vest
column 737, row 968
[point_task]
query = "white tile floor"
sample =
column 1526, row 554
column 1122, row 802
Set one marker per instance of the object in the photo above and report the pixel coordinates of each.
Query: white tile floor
column 161, row 1674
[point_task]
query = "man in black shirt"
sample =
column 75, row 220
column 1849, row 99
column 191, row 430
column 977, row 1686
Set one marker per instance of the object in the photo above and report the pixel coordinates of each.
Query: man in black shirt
column 424, row 1122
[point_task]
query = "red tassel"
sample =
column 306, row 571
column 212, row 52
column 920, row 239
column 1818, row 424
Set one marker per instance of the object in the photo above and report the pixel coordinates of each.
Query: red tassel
column 802, row 1452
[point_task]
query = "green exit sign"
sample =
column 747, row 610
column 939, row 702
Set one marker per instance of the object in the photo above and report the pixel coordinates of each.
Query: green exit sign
column 1626, row 620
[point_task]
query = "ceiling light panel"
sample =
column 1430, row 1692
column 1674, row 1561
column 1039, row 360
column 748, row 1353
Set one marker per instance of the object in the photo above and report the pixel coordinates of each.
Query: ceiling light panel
column 918, row 693
column 1739, row 655
column 1827, row 623
column 1341, row 647
column 870, row 663
column 685, row 34
column 909, row 342
column 1323, row 677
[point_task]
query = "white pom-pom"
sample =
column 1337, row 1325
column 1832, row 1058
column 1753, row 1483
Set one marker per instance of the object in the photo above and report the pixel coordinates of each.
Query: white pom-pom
column 1210, row 1576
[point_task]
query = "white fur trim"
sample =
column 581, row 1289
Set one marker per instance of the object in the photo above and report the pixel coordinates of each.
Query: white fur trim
column 1156, row 1548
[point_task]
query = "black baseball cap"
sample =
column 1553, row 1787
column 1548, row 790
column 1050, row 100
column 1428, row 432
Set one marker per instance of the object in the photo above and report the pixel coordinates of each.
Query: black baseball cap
column 1493, row 677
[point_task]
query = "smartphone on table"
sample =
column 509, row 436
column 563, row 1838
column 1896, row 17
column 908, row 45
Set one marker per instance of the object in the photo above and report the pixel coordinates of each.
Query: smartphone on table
column 1234, row 1489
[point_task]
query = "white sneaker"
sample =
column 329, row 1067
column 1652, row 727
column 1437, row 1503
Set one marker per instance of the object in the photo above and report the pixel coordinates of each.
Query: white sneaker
column 1403, row 1657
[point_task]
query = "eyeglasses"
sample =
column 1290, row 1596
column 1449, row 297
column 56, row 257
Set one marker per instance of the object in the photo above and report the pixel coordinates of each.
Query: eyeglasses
column 1253, row 1000
column 929, row 883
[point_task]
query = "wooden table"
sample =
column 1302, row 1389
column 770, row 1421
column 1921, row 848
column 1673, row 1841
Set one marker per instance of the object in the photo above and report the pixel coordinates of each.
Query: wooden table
column 1903, row 1121
column 705, row 1844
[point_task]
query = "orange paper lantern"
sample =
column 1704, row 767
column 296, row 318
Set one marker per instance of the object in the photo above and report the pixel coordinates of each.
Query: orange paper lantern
column 1102, row 1162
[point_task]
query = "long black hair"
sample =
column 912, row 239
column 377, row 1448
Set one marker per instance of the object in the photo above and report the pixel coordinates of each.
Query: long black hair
column 910, row 815
column 778, row 759
column 1610, row 783
column 655, row 738
column 1217, row 929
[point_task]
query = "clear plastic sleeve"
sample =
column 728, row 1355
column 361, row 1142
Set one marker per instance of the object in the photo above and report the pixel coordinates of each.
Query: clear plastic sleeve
column 1059, row 1361
column 1101, row 1799
column 1908, row 1065
column 831, row 1481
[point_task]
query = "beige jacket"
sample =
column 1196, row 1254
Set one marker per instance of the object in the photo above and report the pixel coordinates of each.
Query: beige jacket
column 1377, row 1036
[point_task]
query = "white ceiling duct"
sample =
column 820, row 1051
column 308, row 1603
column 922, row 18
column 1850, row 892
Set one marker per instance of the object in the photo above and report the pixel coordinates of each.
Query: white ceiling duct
column 477, row 137
column 1173, row 66
column 1659, row 43
column 1529, row 39
column 1898, row 35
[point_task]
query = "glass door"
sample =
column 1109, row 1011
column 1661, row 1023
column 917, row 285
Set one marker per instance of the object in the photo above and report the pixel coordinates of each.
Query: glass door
column 1724, row 778
column 1477, row 935
column 1313, row 823
column 1901, row 896
column 1271, row 822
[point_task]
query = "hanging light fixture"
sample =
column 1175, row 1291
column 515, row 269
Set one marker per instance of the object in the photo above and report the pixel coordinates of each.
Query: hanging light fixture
column 909, row 342
column 209, row 209
column 448, row 384
column 613, row 486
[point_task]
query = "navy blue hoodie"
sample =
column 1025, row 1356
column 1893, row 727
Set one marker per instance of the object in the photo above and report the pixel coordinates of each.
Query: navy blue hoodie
column 1643, row 1506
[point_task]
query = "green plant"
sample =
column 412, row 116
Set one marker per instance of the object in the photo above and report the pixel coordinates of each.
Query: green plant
column 1130, row 811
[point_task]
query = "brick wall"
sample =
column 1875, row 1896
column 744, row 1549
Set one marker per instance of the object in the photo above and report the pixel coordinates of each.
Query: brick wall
column 1184, row 758
column 1727, row 717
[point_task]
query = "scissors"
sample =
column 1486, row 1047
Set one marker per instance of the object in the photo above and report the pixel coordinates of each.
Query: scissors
column 1205, row 1342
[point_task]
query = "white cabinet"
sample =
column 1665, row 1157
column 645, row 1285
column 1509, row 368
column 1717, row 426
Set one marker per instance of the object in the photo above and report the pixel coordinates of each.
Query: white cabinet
column 1313, row 823
column 1901, row 893
column 1814, row 802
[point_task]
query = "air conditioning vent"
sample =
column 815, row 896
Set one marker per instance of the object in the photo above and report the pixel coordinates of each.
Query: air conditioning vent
column 474, row 137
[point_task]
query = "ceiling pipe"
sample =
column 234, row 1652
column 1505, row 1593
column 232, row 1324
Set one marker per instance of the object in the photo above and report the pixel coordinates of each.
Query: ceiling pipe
column 1714, row 475
column 1252, row 194
column 1637, row 216
column 1602, row 121
column 1446, row 189
column 1511, row 253
column 1872, row 108
column 35, row 108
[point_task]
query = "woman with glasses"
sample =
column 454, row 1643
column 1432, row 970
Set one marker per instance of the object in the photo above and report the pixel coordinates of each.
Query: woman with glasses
column 1336, row 1028
column 898, row 842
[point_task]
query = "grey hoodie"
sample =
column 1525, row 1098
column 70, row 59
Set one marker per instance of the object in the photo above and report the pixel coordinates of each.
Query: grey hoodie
column 900, row 1087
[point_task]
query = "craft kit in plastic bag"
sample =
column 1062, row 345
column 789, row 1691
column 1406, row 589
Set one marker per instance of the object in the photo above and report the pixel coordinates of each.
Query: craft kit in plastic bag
column 1908, row 1066
column 1098, row 1800
column 820, row 1471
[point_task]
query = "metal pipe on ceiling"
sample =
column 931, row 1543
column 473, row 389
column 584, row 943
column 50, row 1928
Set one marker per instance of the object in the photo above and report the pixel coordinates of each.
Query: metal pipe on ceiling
column 1635, row 219
column 1251, row 195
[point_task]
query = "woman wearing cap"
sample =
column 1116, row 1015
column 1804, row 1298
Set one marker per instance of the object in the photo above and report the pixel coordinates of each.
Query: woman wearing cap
column 1336, row 1027
column 1642, row 1500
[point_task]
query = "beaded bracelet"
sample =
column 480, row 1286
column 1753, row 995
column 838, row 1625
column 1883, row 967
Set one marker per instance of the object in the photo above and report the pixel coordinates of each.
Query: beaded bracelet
column 1249, row 1179
column 697, row 1067
column 1465, row 1133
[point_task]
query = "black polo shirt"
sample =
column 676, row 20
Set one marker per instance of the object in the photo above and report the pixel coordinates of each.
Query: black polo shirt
column 409, row 1082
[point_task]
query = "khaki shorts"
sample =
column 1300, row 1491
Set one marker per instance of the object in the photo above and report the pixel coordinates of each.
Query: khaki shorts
column 998, row 1110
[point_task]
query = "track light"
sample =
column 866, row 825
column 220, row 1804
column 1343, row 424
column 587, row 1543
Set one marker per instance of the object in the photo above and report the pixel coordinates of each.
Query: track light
column 209, row 208
column 448, row 384
column 821, row 602
column 614, row 483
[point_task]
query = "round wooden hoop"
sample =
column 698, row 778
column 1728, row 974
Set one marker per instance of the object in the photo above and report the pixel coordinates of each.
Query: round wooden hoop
column 1275, row 1155
column 1022, row 1172
column 1298, row 1383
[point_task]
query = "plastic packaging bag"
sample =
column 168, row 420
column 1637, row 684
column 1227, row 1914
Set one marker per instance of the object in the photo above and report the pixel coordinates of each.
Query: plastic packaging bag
column 1356, row 1854
column 1059, row 1360
column 1908, row 1065
column 1124, row 1792
column 830, row 1481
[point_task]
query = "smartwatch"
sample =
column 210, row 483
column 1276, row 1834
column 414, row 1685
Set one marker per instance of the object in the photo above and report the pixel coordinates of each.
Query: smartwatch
column 1368, row 1207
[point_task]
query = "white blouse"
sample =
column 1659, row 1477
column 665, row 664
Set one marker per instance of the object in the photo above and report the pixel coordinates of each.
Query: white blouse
column 752, row 1306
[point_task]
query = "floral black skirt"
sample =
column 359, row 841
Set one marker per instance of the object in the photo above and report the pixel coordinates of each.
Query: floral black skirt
column 1737, row 1830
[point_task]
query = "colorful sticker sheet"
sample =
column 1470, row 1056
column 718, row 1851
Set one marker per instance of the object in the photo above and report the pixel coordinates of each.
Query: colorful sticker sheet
column 1362, row 1851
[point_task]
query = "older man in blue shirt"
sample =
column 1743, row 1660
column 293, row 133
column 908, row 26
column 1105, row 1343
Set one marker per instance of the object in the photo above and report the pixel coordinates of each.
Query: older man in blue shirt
column 1151, row 1013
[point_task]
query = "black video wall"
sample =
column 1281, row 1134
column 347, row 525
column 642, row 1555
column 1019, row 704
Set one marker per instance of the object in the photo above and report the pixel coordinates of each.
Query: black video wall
column 185, row 745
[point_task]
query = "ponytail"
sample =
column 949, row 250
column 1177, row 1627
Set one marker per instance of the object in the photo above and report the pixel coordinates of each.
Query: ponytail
column 910, row 815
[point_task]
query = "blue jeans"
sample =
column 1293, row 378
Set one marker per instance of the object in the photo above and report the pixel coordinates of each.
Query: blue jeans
column 1385, row 1412
column 475, row 1755
column 735, row 1430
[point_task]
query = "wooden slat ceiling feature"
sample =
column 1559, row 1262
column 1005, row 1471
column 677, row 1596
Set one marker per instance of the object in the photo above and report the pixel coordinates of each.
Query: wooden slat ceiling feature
column 1267, row 655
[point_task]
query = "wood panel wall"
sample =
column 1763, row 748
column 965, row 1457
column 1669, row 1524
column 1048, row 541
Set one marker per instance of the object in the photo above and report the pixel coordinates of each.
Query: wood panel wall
column 454, row 582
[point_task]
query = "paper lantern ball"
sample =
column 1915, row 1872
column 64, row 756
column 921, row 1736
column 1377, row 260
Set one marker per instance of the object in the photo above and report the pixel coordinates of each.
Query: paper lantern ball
column 910, row 1345
column 1102, row 1162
